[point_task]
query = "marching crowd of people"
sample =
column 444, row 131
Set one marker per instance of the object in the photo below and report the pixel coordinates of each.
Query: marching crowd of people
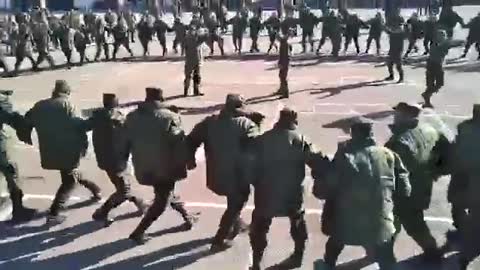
column 370, row 191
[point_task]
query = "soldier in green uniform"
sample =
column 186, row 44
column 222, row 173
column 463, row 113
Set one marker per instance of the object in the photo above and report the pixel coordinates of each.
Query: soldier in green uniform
column 331, row 29
column 473, row 35
column 434, row 72
column 467, row 157
column 308, row 21
column 430, row 30
column 281, row 156
column 161, row 28
column 239, row 25
column 273, row 27
column 352, row 31
column 463, row 167
column 108, row 128
column 213, row 26
column 193, row 58
column 145, row 34
column 421, row 148
column 449, row 19
column 63, row 142
column 90, row 19
column 180, row 31
column 131, row 24
column 111, row 19
column 24, row 47
column 80, row 40
column 377, row 25
column 397, row 36
column 156, row 141
column 283, row 65
column 120, row 37
column 41, row 39
column 226, row 137
column 66, row 42
column 415, row 32
column 255, row 24
column 8, row 167
column 366, row 181
column 100, row 39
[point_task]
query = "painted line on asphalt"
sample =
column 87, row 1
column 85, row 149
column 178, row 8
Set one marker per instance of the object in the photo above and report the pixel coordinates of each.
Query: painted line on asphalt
column 310, row 211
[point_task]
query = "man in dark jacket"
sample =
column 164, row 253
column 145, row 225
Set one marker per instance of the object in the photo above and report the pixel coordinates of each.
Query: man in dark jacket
column 107, row 125
column 225, row 137
column 421, row 148
column 63, row 142
column 375, row 33
column 156, row 140
column 397, row 37
column 281, row 156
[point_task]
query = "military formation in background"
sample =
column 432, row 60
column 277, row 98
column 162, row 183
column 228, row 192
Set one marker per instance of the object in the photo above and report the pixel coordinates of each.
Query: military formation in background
column 41, row 31
column 370, row 191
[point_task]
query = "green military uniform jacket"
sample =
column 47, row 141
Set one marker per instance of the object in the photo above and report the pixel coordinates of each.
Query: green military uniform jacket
column 365, row 182
column 225, row 137
column 61, row 133
column 155, row 138
column 108, row 130
column 282, row 154
column 417, row 144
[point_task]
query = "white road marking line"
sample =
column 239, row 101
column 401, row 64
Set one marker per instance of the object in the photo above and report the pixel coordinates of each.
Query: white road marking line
column 309, row 211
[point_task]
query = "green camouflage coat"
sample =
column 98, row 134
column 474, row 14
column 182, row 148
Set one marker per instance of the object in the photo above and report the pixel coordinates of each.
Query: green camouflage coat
column 282, row 154
column 155, row 138
column 223, row 136
column 7, row 117
column 61, row 133
column 365, row 181
column 108, row 129
column 417, row 146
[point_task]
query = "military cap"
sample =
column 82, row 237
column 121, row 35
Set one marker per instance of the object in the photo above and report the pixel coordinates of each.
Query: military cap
column 110, row 100
column 410, row 109
column 288, row 115
column 361, row 122
column 61, row 86
column 154, row 93
column 234, row 101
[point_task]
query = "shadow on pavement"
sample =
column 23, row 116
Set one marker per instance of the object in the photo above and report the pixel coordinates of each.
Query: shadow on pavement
column 336, row 90
column 345, row 123
column 262, row 99
column 17, row 253
column 172, row 257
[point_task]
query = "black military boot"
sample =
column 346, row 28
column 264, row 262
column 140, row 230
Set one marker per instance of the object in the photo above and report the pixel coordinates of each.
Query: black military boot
column 93, row 188
column 295, row 260
column 196, row 90
column 101, row 215
column 185, row 89
column 389, row 78
column 20, row 213
column 53, row 220
column 426, row 97
column 256, row 260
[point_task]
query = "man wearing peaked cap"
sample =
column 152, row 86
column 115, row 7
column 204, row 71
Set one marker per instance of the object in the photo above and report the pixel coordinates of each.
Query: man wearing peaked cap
column 63, row 128
column 107, row 125
column 158, row 162
column 279, row 188
column 365, row 180
column 226, row 137
column 421, row 148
